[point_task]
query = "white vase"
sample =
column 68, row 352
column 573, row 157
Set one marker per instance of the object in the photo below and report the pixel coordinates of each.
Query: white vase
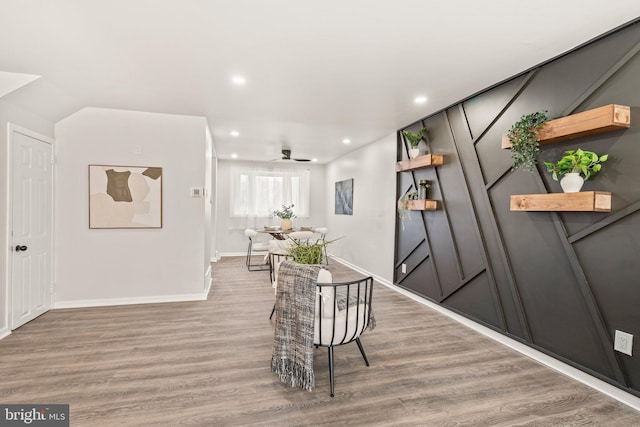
column 571, row 182
column 285, row 224
column 414, row 152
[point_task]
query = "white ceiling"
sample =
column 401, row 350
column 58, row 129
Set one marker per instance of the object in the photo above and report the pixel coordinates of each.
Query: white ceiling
column 317, row 72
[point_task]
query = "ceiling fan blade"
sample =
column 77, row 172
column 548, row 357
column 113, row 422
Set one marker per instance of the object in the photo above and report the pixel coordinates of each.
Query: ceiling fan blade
column 302, row 160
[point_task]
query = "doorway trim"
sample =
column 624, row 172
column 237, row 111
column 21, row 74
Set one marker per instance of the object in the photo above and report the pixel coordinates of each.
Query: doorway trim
column 8, row 276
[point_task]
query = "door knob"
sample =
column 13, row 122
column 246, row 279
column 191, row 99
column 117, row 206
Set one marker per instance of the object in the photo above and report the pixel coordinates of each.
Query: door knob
column 21, row 248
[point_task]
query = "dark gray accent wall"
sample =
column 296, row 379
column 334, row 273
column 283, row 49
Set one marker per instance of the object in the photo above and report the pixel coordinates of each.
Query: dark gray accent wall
column 560, row 282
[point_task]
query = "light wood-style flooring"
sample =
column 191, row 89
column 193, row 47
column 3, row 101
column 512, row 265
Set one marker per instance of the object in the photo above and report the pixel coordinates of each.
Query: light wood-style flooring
column 208, row 364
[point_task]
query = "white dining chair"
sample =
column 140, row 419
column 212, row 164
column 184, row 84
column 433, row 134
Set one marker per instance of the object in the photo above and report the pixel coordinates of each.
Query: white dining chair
column 278, row 251
column 301, row 235
column 342, row 314
column 257, row 248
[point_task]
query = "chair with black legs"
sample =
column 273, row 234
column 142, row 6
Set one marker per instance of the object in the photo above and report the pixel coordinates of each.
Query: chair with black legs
column 343, row 313
column 313, row 312
column 256, row 248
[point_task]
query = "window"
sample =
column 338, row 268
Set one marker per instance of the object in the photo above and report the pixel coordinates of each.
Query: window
column 257, row 192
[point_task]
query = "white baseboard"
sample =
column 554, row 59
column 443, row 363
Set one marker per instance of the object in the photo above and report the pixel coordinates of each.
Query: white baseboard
column 232, row 254
column 360, row 270
column 209, row 281
column 5, row 332
column 129, row 301
column 207, row 274
column 208, row 288
column 558, row 366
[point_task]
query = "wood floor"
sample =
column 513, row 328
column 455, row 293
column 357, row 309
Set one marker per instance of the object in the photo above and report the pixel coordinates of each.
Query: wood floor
column 208, row 364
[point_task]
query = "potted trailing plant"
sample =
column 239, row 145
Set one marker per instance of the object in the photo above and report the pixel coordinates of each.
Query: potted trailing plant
column 577, row 166
column 403, row 212
column 414, row 140
column 525, row 144
column 285, row 214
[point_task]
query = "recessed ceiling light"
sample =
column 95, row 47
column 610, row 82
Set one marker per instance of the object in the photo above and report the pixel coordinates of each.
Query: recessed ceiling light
column 239, row 80
column 314, row 160
column 346, row 141
column 234, row 156
column 235, row 133
column 421, row 99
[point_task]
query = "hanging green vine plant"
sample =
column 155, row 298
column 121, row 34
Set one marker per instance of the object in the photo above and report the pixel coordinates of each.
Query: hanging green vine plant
column 403, row 213
column 525, row 144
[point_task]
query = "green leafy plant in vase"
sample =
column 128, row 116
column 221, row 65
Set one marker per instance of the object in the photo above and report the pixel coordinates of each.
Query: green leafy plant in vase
column 525, row 144
column 575, row 167
column 306, row 252
column 414, row 140
column 285, row 214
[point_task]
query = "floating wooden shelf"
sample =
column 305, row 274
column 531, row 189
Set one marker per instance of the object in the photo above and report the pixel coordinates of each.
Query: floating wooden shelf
column 425, row 161
column 419, row 205
column 584, row 201
column 599, row 120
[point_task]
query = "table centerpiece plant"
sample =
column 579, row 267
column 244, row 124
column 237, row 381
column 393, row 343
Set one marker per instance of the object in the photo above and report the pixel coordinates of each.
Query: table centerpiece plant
column 286, row 215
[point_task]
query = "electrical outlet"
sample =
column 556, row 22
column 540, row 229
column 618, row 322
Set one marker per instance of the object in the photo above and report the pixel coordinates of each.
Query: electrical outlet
column 404, row 268
column 623, row 342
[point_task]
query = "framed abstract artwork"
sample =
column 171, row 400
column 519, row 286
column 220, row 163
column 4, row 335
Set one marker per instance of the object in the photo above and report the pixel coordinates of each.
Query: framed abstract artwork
column 125, row 196
column 344, row 197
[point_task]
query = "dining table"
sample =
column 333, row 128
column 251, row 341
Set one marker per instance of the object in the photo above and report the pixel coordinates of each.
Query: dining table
column 280, row 234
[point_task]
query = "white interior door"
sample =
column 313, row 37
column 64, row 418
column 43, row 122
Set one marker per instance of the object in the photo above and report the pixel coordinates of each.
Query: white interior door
column 31, row 235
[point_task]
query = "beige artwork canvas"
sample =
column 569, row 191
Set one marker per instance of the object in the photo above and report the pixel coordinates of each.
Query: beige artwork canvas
column 125, row 196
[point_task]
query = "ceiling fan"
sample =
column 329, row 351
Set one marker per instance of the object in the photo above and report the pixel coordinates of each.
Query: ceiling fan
column 286, row 155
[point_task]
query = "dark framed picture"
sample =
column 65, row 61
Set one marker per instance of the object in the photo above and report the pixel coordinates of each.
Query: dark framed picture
column 344, row 197
column 125, row 196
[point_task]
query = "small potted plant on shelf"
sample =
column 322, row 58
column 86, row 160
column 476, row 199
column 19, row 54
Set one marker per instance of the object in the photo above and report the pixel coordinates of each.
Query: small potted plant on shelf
column 285, row 214
column 576, row 166
column 414, row 140
column 525, row 144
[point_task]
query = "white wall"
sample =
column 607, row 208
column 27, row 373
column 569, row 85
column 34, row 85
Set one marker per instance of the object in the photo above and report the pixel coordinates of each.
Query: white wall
column 10, row 113
column 368, row 241
column 230, row 240
column 111, row 266
column 208, row 205
column 214, row 208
